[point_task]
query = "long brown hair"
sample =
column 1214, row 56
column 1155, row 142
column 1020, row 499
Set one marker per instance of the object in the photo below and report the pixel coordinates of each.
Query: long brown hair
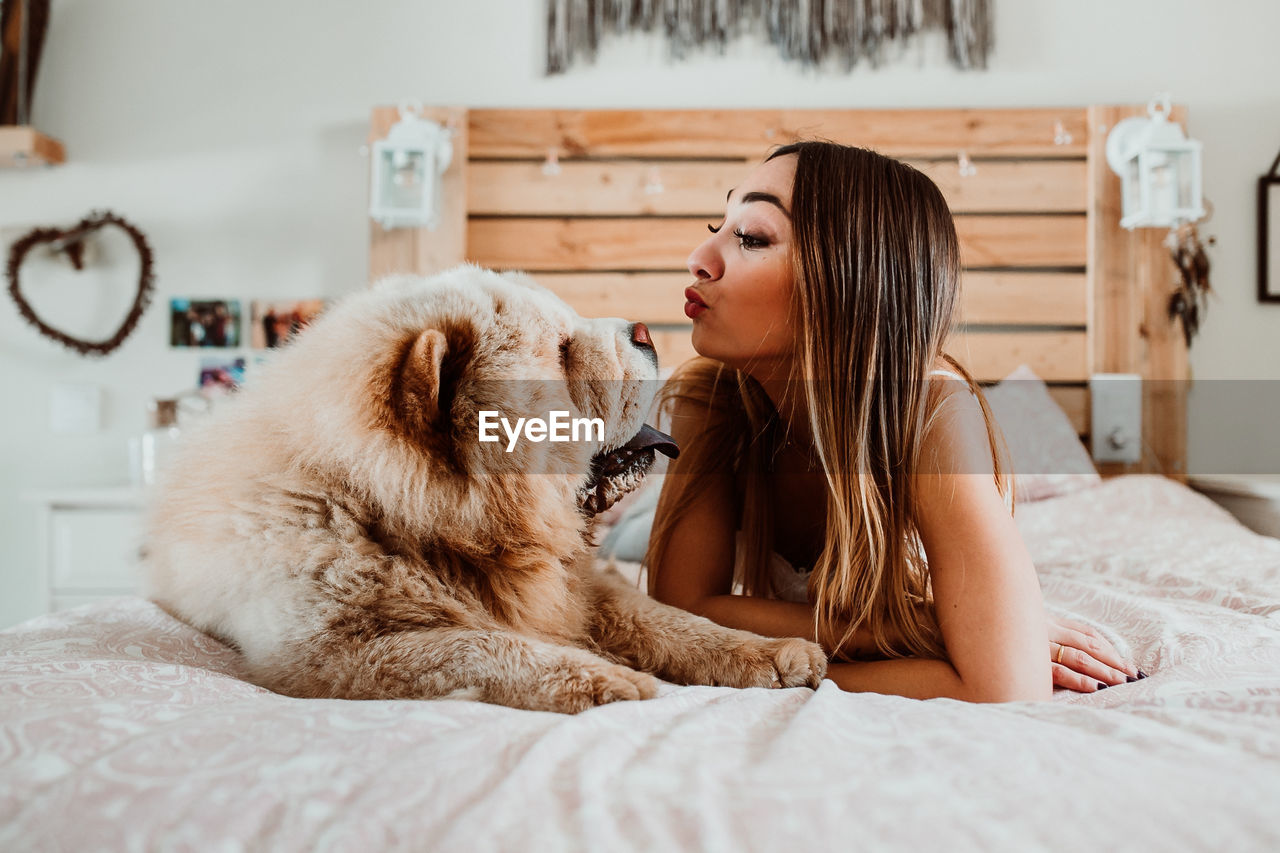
column 876, row 263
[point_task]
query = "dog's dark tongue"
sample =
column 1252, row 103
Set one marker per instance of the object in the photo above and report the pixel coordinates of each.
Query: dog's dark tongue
column 649, row 438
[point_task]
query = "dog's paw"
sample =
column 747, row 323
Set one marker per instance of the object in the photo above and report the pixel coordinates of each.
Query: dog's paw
column 582, row 686
column 799, row 663
column 791, row 662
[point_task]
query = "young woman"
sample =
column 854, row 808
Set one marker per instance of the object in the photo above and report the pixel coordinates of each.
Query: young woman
column 835, row 463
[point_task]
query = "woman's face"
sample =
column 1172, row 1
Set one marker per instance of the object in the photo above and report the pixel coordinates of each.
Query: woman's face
column 740, row 300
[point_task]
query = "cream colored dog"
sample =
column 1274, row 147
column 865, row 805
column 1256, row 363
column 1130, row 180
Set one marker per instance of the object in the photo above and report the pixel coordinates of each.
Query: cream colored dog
column 344, row 526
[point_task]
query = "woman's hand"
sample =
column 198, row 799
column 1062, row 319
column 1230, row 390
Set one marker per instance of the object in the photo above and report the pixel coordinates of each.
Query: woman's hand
column 1083, row 660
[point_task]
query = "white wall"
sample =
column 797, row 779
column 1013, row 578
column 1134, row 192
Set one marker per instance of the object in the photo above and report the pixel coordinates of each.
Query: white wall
column 229, row 133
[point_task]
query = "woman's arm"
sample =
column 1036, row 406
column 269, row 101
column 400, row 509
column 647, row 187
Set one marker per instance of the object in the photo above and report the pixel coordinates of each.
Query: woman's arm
column 986, row 594
column 774, row 618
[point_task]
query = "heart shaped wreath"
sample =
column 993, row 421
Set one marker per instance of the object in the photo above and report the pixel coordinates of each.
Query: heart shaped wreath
column 71, row 240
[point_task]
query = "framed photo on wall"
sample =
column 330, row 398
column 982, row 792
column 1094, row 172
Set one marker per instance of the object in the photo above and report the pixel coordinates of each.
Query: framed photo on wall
column 1269, row 234
column 275, row 323
column 204, row 323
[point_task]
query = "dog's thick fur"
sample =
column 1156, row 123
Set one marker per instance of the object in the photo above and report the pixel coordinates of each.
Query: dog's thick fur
column 342, row 526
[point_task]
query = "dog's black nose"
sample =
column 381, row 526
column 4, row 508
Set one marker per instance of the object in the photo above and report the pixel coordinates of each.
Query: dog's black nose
column 640, row 335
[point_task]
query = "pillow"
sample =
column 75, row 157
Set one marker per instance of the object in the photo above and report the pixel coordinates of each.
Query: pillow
column 1048, row 457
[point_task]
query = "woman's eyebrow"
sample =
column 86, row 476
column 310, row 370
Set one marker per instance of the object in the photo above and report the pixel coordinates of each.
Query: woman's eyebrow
column 759, row 196
column 769, row 197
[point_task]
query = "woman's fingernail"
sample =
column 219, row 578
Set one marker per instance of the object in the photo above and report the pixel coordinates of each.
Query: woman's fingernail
column 1102, row 685
column 1142, row 674
column 1129, row 679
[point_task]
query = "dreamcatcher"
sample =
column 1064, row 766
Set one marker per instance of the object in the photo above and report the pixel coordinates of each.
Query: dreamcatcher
column 1190, row 301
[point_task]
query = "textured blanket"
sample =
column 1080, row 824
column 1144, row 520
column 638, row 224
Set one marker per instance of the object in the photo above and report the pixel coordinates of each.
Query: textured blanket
column 123, row 729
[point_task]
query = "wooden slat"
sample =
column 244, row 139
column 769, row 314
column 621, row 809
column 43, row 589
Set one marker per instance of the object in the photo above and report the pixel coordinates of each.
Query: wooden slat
column 986, row 297
column 665, row 244
column 989, row 356
column 420, row 250
column 750, row 134
column 1041, row 186
column 1022, row 241
column 1054, row 356
column 587, row 188
column 649, row 297
column 596, row 188
column 1023, row 298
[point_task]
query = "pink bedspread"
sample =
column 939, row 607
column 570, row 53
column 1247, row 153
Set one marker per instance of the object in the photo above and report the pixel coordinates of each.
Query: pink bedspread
column 123, row 729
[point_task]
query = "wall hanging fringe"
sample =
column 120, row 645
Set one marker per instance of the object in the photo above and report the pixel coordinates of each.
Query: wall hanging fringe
column 807, row 31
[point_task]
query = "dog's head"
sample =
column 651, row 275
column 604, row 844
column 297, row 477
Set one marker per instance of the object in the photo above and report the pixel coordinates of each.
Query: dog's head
column 471, row 387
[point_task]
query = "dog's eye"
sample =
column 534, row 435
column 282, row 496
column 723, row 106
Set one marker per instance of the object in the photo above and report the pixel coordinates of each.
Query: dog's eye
column 564, row 354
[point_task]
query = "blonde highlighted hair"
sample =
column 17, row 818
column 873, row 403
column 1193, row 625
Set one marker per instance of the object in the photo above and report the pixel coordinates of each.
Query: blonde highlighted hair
column 877, row 265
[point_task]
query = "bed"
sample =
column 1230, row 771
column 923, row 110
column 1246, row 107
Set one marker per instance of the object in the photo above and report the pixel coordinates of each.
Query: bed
column 121, row 728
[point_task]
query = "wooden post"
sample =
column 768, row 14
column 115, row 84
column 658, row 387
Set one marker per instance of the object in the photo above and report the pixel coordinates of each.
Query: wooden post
column 420, row 250
column 1131, row 278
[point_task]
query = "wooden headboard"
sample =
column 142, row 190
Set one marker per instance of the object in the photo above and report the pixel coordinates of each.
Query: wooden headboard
column 604, row 206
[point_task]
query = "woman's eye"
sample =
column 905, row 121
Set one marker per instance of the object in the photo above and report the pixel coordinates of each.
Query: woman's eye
column 750, row 241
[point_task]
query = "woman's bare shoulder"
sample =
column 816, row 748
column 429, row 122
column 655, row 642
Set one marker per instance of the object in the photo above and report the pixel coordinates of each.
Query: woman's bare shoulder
column 956, row 439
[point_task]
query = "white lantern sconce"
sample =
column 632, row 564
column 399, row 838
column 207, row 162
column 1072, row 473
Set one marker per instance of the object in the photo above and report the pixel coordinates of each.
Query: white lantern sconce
column 1159, row 170
column 407, row 172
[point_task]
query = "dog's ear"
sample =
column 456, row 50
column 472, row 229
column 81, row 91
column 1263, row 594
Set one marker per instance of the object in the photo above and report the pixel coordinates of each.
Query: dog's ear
column 429, row 376
column 422, row 369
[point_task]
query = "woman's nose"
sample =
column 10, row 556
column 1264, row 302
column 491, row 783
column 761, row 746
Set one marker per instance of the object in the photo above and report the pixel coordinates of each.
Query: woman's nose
column 705, row 262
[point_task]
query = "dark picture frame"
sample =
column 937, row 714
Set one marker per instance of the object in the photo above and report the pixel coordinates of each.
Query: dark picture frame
column 204, row 323
column 1269, row 234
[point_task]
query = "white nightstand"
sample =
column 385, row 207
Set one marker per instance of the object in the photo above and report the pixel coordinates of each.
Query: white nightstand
column 1252, row 498
column 89, row 540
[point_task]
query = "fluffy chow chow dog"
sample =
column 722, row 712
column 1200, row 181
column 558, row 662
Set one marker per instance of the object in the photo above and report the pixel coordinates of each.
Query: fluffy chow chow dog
column 343, row 525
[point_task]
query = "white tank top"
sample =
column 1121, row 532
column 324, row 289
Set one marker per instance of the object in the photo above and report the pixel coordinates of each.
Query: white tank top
column 790, row 583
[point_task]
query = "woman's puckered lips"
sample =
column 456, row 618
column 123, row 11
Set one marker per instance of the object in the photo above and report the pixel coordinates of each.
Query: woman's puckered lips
column 694, row 304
